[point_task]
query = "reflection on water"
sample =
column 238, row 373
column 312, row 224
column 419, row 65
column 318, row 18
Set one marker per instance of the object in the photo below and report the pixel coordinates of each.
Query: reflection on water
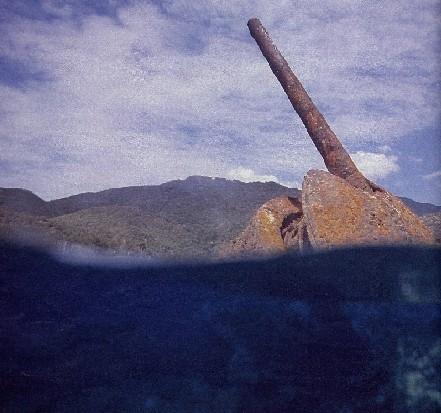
column 342, row 331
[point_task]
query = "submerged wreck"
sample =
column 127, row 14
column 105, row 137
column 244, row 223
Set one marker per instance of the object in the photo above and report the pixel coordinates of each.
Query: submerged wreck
column 342, row 330
column 337, row 208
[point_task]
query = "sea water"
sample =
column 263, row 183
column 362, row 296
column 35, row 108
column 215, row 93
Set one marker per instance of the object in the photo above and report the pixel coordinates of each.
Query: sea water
column 353, row 330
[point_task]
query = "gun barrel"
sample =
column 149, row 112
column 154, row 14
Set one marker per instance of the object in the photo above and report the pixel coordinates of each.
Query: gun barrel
column 336, row 158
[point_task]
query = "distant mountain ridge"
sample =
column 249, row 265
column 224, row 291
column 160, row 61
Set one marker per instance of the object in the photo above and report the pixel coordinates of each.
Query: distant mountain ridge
column 183, row 217
column 421, row 208
column 193, row 217
column 23, row 200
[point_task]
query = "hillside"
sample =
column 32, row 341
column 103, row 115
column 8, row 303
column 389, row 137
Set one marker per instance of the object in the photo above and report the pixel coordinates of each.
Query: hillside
column 421, row 208
column 183, row 217
column 190, row 217
column 22, row 200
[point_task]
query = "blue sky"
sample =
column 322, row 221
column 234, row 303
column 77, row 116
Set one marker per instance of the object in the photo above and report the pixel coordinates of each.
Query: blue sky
column 99, row 94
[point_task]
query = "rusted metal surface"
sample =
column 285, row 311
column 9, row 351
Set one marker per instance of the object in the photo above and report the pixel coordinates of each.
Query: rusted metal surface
column 337, row 160
column 272, row 229
column 336, row 214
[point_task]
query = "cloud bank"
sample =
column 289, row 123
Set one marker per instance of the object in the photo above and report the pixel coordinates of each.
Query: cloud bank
column 249, row 175
column 375, row 165
column 433, row 175
column 142, row 92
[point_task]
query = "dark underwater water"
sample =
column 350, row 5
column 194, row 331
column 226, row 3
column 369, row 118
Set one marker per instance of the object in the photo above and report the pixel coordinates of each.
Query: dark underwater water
column 354, row 330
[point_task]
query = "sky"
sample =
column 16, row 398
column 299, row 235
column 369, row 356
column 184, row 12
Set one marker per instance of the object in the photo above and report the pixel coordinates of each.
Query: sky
column 109, row 93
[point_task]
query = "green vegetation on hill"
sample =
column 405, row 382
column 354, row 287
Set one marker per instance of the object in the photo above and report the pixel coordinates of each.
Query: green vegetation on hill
column 192, row 217
column 179, row 218
column 22, row 200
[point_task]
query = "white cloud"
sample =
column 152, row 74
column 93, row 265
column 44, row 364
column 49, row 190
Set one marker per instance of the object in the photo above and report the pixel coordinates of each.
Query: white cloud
column 160, row 96
column 56, row 8
column 436, row 174
column 385, row 148
column 415, row 159
column 248, row 175
column 375, row 165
